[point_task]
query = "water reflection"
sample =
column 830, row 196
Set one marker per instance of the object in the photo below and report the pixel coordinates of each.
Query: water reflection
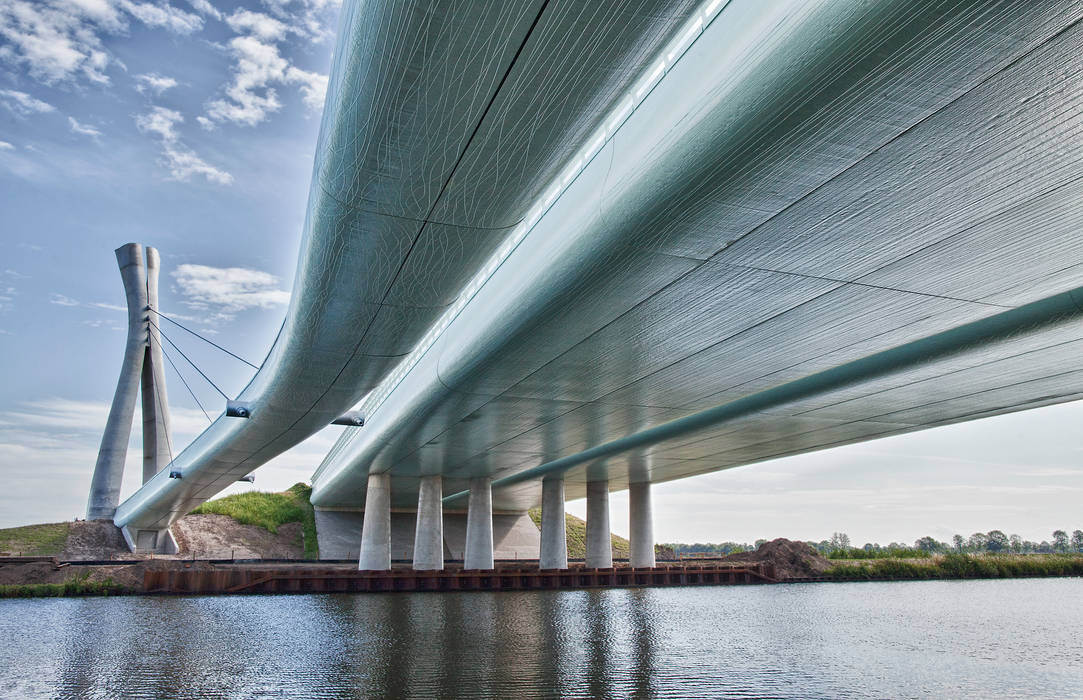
column 975, row 638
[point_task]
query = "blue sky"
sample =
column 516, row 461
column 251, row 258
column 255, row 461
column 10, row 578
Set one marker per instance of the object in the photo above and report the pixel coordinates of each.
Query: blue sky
column 191, row 126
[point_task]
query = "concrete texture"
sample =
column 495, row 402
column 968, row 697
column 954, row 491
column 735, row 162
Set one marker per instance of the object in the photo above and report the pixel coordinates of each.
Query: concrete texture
column 515, row 536
column 429, row 535
column 554, row 537
column 109, row 468
column 479, row 525
column 157, row 438
column 599, row 536
column 376, row 533
column 640, row 525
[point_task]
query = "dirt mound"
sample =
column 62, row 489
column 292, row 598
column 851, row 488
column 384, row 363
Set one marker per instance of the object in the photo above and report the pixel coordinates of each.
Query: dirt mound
column 94, row 539
column 222, row 537
column 790, row 559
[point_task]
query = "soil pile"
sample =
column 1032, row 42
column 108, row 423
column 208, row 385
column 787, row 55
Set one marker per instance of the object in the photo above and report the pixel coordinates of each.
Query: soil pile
column 94, row 539
column 790, row 559
column 222, row 537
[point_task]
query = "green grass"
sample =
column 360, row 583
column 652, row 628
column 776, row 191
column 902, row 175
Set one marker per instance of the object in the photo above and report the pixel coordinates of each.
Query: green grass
column 74, row 586
column 576, row 533
column 35, row 540
column 892, row 553
column 269, row 511
column 952, row 566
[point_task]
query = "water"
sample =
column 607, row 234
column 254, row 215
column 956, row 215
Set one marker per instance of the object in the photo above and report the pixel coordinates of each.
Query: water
column 955, row 639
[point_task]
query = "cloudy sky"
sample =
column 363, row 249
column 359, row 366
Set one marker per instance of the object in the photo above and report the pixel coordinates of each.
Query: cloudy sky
column 190, row 125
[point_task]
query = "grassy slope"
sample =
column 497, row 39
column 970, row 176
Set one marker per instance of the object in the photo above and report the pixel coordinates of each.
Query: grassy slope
column 576, row 530
column 35, row 540
column 269, row 510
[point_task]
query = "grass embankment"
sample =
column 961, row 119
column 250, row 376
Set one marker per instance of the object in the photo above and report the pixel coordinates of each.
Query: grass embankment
column 269, row 511
column 576, row 532
column 74, row 586
column 954, row 566
column 35, row 540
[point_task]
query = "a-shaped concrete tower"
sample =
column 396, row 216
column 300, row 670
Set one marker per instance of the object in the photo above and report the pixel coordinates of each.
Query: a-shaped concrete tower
column 142, row 370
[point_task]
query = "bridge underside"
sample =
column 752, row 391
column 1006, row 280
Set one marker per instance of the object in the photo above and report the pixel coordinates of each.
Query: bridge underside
column 931, row 183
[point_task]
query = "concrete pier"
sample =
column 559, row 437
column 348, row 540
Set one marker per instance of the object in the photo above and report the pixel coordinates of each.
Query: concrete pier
column 109, row 468
column 429, row 535
column 599, row 537
column 640, row 525
column 479, row 525
column 157, row 438
column 376, row 527
column 554, row 538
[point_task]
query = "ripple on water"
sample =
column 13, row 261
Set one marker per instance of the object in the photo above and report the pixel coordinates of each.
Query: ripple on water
column 959, row 639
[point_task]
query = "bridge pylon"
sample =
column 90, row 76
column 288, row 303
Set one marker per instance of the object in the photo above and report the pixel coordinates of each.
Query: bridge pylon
column 141, row 371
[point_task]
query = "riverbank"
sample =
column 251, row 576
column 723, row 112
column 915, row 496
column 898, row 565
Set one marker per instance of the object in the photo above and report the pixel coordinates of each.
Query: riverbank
column 958, row 566
column 780, row 561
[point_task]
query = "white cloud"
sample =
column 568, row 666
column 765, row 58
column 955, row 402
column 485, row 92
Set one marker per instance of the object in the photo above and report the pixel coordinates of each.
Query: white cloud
column 61, row 300
column 313, row 86
column 205, row 8
column 311, row 18
column 228, row 289
column 61, row 40
column 251, row 96
column 181, row 162
column 257, row 24
column 164, row 15
column 107, row 306
column 152, row 82
column 22, row 104
column 5, row 146
column 83, row 129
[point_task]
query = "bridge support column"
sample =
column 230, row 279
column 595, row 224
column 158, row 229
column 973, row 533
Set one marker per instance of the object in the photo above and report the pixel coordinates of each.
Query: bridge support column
column 599, row 537
column 479, row 525
column 376, row 525
column 109, row 469
column 640, row 525
column 554, row 538
column 429, row 533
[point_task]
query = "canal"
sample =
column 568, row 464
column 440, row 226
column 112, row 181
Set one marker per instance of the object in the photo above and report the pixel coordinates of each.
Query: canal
column 977, row 639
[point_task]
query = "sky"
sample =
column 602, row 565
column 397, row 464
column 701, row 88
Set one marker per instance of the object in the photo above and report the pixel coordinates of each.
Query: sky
column 190, row 126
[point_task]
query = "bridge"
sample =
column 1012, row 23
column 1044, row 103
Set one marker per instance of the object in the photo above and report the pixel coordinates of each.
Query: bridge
column 555, row 249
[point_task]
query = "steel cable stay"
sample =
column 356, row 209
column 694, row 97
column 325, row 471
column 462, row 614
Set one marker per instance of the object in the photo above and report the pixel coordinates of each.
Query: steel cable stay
column 189, row 360
column 205, row 340
column 183, row 381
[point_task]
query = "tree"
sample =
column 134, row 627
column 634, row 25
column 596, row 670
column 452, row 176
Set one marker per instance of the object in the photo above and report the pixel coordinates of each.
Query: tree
column 1016, row 544
column 977, row 541
column 958, row 543
column 996, row 541
column 1077, row 540
column 928, row 544
column 1060, row 540
column 840, row 540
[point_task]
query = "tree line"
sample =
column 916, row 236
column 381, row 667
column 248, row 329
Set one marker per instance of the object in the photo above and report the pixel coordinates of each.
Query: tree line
column 839, row 546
